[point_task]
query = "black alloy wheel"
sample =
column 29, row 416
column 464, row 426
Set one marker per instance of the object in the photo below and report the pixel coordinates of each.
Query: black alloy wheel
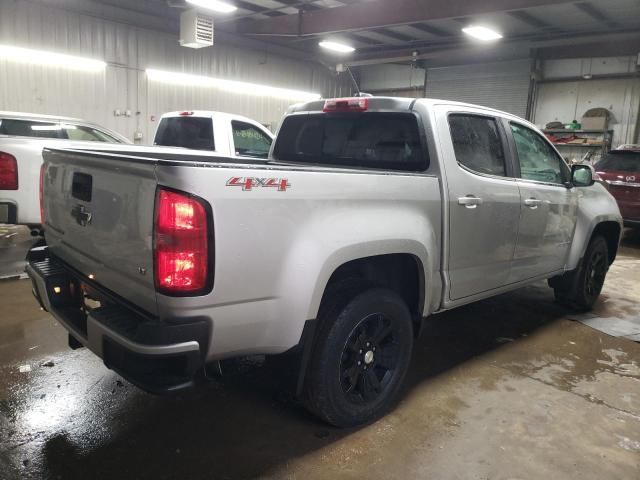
column 368, row 359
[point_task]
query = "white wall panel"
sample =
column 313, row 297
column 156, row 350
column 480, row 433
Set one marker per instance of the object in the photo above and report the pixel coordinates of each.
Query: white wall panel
column 566, row 101
column 129, row 50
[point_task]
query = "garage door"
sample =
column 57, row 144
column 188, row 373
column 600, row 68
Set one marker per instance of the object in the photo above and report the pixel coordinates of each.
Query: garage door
column 503, row 85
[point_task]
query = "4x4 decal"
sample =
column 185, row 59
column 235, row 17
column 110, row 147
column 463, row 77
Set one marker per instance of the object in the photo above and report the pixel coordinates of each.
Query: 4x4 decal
column 249, row 183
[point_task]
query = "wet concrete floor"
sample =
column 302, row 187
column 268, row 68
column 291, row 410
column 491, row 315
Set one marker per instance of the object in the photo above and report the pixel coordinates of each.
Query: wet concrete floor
column 507, row 388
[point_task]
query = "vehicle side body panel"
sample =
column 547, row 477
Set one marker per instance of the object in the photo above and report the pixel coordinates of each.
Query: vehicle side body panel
column 282, row 248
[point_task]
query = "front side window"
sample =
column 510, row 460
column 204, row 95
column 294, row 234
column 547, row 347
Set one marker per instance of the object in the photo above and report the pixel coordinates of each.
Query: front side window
column 538, row 161
column 86, row 134
column 250, row 141
column 477, row 144
column 29, row 128
column 370, row 140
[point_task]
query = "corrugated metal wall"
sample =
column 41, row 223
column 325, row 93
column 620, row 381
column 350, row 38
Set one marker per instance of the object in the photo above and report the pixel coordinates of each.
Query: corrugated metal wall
column 501, row 85
column 129, row 50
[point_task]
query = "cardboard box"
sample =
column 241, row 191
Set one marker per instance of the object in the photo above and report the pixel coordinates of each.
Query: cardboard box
column 594, row 123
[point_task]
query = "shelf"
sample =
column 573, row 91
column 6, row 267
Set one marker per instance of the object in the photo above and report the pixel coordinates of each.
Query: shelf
column 568, row 130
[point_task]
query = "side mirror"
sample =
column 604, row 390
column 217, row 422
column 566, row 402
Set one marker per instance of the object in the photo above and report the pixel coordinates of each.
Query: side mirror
column 582, row 175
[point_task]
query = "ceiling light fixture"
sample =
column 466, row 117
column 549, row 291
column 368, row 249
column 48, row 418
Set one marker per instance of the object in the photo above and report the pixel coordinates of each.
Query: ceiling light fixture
column 41, row 57
column 234, row 86
column 482, row 33
column 215, row 5
column 337, row 47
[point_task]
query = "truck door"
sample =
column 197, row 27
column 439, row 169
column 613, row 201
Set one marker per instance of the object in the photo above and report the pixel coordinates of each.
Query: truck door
column 484, row 203
column 549, row 208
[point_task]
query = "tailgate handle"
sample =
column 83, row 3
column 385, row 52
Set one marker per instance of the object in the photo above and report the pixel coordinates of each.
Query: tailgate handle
column 82, row 186
column 82, row 216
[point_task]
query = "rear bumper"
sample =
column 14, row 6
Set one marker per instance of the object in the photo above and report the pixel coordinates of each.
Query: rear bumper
column 155, row 356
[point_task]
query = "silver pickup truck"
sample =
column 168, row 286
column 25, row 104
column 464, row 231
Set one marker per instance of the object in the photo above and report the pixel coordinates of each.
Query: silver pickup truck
column 369, row 215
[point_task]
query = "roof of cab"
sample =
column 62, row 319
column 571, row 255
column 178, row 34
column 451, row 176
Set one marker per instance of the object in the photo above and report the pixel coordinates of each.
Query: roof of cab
column 211, row 114
column 392, row 103
column 375, row 103
column 404, row 104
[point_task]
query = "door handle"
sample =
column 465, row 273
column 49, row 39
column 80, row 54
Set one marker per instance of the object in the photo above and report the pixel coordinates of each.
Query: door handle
column 470, row 201
column 532, row 203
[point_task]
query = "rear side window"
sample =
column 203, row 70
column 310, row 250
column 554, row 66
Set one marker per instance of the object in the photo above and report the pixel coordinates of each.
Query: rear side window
column 28, row 128
column 389, row 141
column 621, row 162
column 188, row 132
column 250, row 141
column 477, row 144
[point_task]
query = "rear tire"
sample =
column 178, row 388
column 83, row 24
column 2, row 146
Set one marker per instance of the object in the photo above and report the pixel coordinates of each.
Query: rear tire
column 581, row 288
column 360, row 358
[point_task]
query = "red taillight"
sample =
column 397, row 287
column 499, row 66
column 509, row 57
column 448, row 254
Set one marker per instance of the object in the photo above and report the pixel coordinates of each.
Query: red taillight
column 346, row 105
column 41, row 195
column 185, row 114
column 181, row 244
column 8, row 172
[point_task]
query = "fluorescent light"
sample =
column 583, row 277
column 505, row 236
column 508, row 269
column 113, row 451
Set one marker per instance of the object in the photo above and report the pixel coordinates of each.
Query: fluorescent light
column 215, row 5
column 243, row 88
column 42, row 57
column 482, row 33
column 337, row 47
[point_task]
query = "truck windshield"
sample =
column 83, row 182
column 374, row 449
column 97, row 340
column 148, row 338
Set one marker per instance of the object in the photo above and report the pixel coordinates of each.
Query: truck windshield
column 188, row 132
column 389, row 141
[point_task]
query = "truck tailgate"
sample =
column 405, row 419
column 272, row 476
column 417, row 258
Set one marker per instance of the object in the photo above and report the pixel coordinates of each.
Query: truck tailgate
column 99, row 212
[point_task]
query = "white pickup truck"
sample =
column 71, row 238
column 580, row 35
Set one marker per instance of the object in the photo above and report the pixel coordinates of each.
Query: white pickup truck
column 22, row 138
column 369, row 215
column 224, row 133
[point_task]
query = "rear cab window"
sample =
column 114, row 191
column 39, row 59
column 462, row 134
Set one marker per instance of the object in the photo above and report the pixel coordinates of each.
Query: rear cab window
column 185, row 131
column 379, row 140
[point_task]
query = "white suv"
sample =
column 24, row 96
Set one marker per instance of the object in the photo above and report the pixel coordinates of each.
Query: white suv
column 22, row 138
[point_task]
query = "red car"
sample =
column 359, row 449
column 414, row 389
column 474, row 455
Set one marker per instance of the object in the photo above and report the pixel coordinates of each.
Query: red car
column 620, row 170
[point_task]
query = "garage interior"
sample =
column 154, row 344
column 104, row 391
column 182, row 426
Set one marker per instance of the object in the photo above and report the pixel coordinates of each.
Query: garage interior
column 512, row 387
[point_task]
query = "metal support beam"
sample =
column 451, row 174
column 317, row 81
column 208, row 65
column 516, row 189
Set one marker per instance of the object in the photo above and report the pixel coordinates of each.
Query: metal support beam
column 505, row 48
column 381, row 13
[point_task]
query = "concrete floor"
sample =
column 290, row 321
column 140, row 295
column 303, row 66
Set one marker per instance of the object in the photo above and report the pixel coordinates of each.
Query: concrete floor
column 15, row 242
column 507, row 388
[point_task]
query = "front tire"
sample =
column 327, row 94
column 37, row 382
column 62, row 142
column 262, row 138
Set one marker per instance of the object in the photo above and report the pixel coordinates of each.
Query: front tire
column 360, row 358
column 583, row 286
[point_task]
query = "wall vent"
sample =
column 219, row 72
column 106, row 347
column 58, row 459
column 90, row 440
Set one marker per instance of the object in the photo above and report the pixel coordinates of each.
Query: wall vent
column 196, row 30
